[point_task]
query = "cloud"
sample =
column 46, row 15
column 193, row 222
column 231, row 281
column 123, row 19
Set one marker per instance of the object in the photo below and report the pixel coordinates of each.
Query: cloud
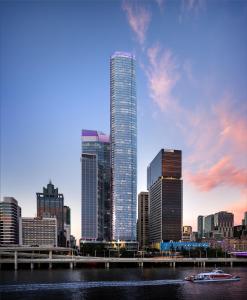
column 223, row 172
column 191, row 7
column 238, row 207
column 138, row 18
column 162, row 74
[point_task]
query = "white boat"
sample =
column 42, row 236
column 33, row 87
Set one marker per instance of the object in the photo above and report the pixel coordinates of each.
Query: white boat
column 215, row 275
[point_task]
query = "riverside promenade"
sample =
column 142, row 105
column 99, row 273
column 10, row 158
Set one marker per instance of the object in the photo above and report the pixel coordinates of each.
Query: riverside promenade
column 35, row 257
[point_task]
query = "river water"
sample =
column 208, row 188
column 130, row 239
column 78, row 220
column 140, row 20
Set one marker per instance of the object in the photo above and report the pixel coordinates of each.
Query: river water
column 118, row 283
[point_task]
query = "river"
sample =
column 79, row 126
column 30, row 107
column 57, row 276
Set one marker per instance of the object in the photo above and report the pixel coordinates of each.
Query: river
column 118, row 283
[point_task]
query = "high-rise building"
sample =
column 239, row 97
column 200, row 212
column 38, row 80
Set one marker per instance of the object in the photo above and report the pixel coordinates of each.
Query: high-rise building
column 67, row 226
column 200, row 228
column 39, row 232
column 143, row 220
column 95, row 186
column 245, row 218
column 123, row 145
column 49, row 205
column 165, row 188
column 223, row 223
column 10, row 214
column 209, row 226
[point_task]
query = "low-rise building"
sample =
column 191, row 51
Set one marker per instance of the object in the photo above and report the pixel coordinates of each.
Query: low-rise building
column 39, row 232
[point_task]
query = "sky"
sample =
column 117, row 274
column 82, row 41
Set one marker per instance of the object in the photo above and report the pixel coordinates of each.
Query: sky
column 191, row 59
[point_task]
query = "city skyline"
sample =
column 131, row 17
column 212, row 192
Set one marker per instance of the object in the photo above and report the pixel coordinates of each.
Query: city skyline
column 191, row 95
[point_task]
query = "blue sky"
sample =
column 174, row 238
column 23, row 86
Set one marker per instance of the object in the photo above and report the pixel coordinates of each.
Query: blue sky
column 191, row 86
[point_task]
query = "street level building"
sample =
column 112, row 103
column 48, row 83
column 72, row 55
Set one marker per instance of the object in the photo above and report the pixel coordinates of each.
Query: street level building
column 123, row 145
column 143, row 219
column 39, row 232
column 50, row 205
column 10, row 214
column 165, row 186
column 95, row 186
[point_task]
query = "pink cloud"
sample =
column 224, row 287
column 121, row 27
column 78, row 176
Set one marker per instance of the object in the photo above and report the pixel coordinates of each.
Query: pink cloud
column 162, row 76
column 138, row 18
column 239, row 207
column 223, row 172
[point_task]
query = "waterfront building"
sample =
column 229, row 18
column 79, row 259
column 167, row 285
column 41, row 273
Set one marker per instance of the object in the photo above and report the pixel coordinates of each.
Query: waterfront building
column 123, row 145
column 95, row 186
column 50, row 204
column 143, row 219
column 67, row 225
column 39, row 232
column 245, row 218
column 200, row 227
column 209, row 226
column 223, row 224
column 10, row 214
column 165, row 186
column 187, row 233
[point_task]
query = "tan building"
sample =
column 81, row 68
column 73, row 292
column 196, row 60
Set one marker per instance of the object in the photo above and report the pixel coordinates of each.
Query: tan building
column 39, row 231
column 187, row 233
column 143, row 219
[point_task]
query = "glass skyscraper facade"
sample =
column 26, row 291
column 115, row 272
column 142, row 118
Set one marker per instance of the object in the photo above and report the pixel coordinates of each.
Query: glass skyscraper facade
column 95, row 186
column 123, row 145
column 165, row 186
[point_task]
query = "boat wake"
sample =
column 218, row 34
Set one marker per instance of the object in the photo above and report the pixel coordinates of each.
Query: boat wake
column 84, row 285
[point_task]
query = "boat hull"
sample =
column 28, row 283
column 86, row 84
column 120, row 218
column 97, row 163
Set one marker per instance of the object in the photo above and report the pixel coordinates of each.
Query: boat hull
column 214, row 280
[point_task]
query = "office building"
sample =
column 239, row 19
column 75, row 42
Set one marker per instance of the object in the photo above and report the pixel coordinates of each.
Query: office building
column 39, row 232
column 200, row 227
column 245, row 218
column 165, row 188
column 123, row 145
column 142, row 223
column 187, row 233
column 209, row 226
column 49, row 205
column 67, row 225
column 223, row 224
column 10, row 214
column 95, row 186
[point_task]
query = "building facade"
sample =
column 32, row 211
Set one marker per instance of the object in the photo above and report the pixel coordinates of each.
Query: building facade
column 67, row 225
column 123, row 145
column 223, row 224
column 49, row 205
column 39, row 232
column 200, row 226
column 165, row 188
column 10, row 214
column 187, row 233
column 143, row 219
column 95, row 186
column 209, row 226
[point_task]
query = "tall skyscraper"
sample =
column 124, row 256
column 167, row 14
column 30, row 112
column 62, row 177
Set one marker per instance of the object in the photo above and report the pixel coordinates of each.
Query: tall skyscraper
column 200, row 227
column 67, row 226
column 95, row 186
column 123, row 145
column 245, row 218
column 10, row 215
column 165, row 188
column 50, row 204
column 143, row 219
